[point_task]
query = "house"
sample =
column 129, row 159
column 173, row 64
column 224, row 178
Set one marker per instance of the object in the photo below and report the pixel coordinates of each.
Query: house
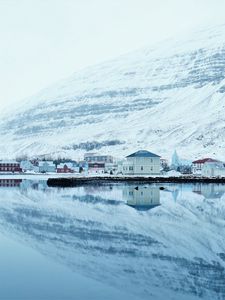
column 213, row 169
column 46, row 167
column 198, row 164
column 142, row 197
column 96, row 167
column 10, row 166
column 96, row 162
column 27, row 165
column 142, row 162
column 67, row 167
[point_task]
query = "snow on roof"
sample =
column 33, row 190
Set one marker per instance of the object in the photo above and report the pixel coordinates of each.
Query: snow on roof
column 143, row 153
column 9, row 162
column 50, row 163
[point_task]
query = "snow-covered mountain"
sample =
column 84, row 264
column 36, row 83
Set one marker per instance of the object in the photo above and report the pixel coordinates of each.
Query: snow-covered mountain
column 159, row 98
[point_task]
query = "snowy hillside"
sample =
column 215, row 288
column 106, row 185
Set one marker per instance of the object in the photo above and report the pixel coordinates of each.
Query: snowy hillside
column 161, row 98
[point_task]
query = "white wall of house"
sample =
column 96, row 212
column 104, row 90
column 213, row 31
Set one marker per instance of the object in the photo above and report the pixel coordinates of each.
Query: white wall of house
column 213, row 170
column 197, row 168
column 141, row 166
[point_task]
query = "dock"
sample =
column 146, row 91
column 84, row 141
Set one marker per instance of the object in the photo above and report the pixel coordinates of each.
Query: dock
column 99, row 180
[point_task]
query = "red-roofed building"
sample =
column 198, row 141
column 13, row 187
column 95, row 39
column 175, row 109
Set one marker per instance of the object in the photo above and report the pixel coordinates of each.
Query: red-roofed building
column 67, row 168
column 198, row 164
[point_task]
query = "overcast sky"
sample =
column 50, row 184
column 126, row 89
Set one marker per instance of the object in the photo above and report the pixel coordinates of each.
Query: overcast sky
column 43, row 41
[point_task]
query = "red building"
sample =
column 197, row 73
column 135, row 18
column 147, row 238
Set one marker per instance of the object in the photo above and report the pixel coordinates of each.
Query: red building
column 10, row 166
column 65, row 168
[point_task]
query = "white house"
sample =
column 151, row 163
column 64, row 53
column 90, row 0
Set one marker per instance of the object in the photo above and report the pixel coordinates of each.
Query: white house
column 142, row 162
column 46, row 166
column 26, row 165
column 197, row 165
column 213, row 169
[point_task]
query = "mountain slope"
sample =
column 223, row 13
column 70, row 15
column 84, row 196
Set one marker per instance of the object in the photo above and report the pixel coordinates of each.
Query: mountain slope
column 170, row 96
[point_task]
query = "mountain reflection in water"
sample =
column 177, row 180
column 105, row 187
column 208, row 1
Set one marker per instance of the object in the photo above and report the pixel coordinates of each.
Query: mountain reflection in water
column 164, row 244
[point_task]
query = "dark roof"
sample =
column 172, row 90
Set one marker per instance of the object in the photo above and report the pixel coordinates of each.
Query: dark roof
column 204, row 160
column 143, row 153
column 143, row 207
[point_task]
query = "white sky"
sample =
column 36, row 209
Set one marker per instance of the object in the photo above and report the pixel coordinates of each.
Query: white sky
column 43, row 41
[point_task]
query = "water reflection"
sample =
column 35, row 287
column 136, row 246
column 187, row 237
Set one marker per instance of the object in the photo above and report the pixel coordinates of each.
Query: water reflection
column 10, row 182
column 142, row 197
column 209, row 191
column 174, row 251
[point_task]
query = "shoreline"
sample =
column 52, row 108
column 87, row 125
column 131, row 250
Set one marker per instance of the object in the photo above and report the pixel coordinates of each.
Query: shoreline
column 98, row 180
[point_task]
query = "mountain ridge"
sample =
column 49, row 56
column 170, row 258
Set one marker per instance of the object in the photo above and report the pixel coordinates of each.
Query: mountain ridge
column 162, row 98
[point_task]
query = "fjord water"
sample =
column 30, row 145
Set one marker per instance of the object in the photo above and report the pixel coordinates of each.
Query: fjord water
column 112, row 241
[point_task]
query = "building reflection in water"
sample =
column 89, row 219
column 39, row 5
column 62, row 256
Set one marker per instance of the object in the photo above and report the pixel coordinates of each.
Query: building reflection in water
column 24, row 184
column 209, row 191
column 34, row 185
column 10, row 182
column 142, row 197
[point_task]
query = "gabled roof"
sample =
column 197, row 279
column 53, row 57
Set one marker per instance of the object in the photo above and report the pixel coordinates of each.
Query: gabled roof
column 69, row 165
column 204, row 160
column 143, row 153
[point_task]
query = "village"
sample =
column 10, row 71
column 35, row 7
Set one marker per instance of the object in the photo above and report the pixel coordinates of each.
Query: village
column 140, row 163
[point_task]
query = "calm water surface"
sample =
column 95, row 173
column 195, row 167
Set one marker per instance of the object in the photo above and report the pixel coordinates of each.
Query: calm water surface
column 113, row 241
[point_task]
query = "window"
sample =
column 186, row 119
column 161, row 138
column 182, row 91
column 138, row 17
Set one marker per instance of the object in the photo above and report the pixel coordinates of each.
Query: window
column 131, row 168
column 142, row 168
